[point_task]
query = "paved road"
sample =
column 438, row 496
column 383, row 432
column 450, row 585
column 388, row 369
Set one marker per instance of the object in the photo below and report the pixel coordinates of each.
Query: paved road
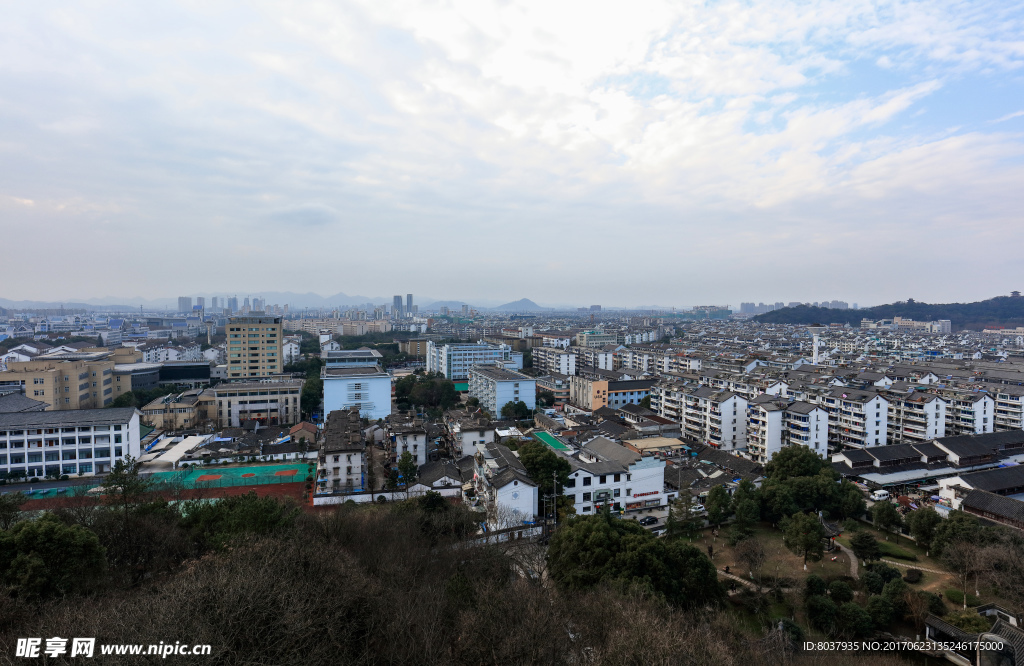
column 911, row 565
column 854, row 565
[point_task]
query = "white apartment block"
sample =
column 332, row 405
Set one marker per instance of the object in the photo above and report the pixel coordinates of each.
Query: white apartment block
column 74, row 442
column 1009, row 407
column 343, row 456
column 774, row 423
column 716, row 418
column 969, row 413
column 602, row 359
column 408, row 438
column 917, row 417
column 856, row 418
column 454, row 360
column 466, row 433
column 554, row 359
column 496, row 387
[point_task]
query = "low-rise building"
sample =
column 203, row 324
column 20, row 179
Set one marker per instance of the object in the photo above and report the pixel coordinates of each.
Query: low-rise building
column 84, row 441
column 495, row 387
column 268, row 402
column 343, row 457
column 354, row 378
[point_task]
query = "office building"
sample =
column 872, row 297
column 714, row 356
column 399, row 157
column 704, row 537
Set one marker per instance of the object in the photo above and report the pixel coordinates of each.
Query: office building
column 184, row 304
column 255, row 347
column 233, row 304
column 408, row 305
column 396, row 307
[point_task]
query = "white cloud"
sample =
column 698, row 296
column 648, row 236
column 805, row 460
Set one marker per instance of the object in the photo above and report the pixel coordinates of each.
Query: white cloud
column 375, row 121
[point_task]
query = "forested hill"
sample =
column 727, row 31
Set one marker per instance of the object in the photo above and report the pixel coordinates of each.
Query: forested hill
column 998, row 311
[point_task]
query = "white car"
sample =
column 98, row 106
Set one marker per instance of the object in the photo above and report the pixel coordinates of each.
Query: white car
column 697, row 508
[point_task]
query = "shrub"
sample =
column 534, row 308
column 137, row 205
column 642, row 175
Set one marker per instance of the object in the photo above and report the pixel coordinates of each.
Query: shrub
column 34, row 479
column 912, row 576
column 969, row 621
column 851, row 525
column 822, row 612
column 894, row 551
column 814, row 586
column 881, row 611
column 852, row 620
column 872, row 582
column 840, row 591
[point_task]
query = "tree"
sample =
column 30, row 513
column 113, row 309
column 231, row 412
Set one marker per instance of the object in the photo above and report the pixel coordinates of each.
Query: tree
column 682, row 521
column 718, row 504
column 814, row 586
column 968, row 621
column 10, row 509
column 958, row 526
column 751, row 553
column 593, row 549
column 794, row 461
column 887, row 518
column 923, row 524
column 646, row 402
column 896, row 592
column 123, row 487
column 961, row 558
column 803, row 534
column 45, row 557
column 865, row 547
column 852, row 620
column 850, row 501
column 545, row 467
column 515, row 411
column 407, row 468
column 881, row 611
column 822, row 613
column 840, row 591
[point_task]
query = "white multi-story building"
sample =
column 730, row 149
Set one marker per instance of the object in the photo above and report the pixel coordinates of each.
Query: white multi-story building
column 916, row 417
column 969, row 413
column 547, row 360
column 290, row 350
column 607, row 474
column 856, row 418
column 408, row 438
column 454, row 360
column 716, row 418
column 774, row 423
column 73, row 442
column 343, row 456
column 354, row 378
column 467, row 432
column 500, row 480
column 496, row 387
column 1009, row 407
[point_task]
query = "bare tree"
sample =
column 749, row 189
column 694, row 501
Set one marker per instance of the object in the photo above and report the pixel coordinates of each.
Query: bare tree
column 751, row 553
column 962, row 560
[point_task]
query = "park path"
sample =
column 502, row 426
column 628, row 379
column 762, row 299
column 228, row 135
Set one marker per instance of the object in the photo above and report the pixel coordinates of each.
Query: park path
column 854, row 564
column 738, row 579
column 913, row 566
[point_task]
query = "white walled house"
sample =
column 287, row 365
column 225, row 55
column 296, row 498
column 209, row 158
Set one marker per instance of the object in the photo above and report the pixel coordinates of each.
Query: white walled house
column 290, row 350
column 406, row 438
column 500, row 481
column 466, row 433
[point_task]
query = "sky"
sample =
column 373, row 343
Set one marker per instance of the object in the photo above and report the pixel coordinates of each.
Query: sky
column 676, row 153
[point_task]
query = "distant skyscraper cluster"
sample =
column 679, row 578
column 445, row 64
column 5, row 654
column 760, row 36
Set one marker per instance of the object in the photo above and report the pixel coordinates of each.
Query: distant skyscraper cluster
column 229, row 306
column 761, row 308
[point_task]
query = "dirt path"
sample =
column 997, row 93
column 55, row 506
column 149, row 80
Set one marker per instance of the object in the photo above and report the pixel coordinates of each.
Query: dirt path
column 914, row 566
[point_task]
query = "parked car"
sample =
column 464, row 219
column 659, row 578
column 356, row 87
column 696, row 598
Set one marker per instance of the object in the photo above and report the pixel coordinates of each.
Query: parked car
column 649, row 520
column 697, row 508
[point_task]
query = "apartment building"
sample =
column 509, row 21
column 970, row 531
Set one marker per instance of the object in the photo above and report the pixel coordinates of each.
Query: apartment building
column 64, row 380
column 255, row 347
column 969, row 412
column 716, row 418
column 343, row 455
column 596, row 339
column 915, row 417
column 354, row 379
column 549, row 360
column 856, row 418
column 774, row 423
column 84, row 441
column 453, row 360
column 603, row 359
column 268, row 402
column 410, row 437
column 1009, row 414
column 496, row 387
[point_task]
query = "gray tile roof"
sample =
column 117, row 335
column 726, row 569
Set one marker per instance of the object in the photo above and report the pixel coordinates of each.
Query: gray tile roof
column 70, row 417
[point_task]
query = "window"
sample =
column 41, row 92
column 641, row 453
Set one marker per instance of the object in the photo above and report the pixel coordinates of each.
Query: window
column 604, row 477
column 587, row 480
column 586, row 497
column 617, row 479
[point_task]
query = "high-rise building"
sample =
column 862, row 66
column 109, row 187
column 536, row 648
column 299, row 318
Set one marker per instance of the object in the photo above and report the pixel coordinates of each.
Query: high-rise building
column 245, row 306
column 408, row 305
column 201, row 302
column 184, row 304
column 214, row 303
column 255, row 347
column 396, row 307
column 233, row 304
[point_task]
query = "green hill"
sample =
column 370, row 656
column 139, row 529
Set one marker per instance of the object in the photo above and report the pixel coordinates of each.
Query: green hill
column 1007, row 311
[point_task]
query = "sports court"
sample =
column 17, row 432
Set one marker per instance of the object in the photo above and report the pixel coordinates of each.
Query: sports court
column 548, row 439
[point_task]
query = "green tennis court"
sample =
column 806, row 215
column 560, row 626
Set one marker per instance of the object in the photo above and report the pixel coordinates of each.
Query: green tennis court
column 548, row 439
column 231, row 476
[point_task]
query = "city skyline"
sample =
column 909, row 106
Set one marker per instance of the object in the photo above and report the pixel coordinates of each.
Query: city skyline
column 751, row 150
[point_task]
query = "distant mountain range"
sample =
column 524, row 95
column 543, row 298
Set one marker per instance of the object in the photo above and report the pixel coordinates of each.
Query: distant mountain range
column 1005, row 311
